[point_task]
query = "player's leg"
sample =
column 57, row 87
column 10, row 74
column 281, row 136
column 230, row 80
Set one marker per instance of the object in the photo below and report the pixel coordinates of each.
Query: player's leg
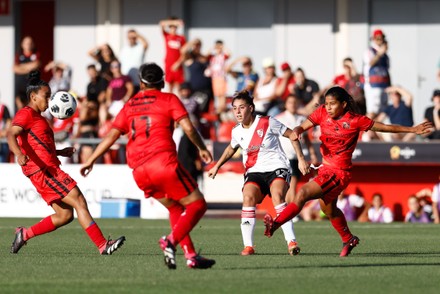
column 339, row 223
column 308, row 191
column 251, row 197
column 278, row 189
column 76, row 199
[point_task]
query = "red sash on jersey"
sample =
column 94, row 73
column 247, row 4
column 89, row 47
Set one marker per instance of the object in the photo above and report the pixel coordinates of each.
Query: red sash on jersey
column 255, row 143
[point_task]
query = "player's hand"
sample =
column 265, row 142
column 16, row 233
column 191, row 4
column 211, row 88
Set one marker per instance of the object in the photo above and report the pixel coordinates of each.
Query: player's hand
column 206, row 156
column 213, row 172
column 424, row 128
column 22, row 159
column 303, row 166
column 86, row 169
column 295, row 135
column 66, row 152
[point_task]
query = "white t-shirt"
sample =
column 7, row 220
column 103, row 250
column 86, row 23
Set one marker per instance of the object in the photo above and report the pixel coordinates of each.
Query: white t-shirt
column 381, row 215
column 291, row 121
column 435, row 196
column 131, row 58
column 262, row 152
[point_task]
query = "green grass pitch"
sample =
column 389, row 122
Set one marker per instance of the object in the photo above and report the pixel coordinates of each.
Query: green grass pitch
column 393, row 258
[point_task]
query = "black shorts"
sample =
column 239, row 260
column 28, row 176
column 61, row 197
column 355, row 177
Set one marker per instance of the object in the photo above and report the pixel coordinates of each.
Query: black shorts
column 295, row 169
column 264, row 180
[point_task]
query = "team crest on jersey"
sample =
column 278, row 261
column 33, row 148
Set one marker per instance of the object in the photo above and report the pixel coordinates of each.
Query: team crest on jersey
column 345, row 125
column 260, row 133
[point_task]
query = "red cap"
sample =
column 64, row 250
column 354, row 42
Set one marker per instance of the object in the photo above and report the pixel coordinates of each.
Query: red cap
column 285, row 66
column 378, row 33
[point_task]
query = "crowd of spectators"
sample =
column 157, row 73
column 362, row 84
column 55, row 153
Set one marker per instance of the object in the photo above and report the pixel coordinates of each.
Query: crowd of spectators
column 200, row 79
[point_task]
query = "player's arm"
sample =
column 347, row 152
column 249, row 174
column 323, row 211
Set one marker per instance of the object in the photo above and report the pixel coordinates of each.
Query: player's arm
column 227, row 154
column 420, row 129
column 13, row 133
column 294, row 136
column 105, row 145
column 195, row 138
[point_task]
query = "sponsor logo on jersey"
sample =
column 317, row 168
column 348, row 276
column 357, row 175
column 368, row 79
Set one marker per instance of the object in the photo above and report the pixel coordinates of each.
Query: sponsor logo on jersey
column 260, row 133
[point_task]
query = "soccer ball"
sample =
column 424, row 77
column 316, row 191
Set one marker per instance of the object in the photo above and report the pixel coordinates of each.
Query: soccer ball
column 62, row 105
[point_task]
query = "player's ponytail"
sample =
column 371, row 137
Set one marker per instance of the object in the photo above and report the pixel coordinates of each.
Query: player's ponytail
column 342, row 96
column 34, row 83
column 244, row 95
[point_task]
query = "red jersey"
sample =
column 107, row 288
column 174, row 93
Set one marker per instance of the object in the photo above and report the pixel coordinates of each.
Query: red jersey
column 173, row 43
column 148, row 118
column 37, row 141
column 339, row 137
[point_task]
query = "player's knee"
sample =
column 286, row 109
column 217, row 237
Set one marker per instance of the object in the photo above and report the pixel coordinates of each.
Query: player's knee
column 66, row 216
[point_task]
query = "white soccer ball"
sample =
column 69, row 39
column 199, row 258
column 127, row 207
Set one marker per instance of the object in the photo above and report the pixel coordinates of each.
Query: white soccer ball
column 62, row 105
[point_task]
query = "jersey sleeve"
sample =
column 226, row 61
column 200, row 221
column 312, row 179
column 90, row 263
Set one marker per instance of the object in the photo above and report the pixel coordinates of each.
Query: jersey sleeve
column 316, row 116
column 177, row 109
column 364, row 123
column 276, row 126
column 121, row 123
column 234, row 141
column 22, row 119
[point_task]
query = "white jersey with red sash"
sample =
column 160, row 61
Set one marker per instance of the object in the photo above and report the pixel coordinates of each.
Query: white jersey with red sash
column 260, row 144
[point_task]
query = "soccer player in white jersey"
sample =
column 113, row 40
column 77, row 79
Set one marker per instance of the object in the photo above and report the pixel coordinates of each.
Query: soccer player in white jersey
column 267, row 167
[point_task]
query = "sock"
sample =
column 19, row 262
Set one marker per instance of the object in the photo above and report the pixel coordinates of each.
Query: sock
column 44, row 226
column 248, row 225
column 340, row 225
column 289, row 234
column 187, row 221
column 187, row 245
column 289, row 212
column 96, row 236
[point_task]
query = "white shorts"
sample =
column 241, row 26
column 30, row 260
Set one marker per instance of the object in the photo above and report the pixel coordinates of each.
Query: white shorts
column 376, row 99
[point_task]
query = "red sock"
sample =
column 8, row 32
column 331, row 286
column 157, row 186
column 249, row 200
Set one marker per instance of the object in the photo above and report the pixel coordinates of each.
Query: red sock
column 187, row 221
column 96, row 236
column 187, row 245
column 44, row 226
column 340, row 225
column 286, row 215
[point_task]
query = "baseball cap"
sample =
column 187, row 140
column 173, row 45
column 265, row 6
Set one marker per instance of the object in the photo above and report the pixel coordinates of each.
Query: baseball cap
column 378, row 33
column 268, row 62
column 436, row 93
column 285, row 66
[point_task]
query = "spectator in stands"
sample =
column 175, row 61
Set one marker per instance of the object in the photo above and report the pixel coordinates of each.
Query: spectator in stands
column 378, row 213
column 432, row 114
column 26, row 60
column 97, row 85
column 351, row 81
column 307, row 90
column 190, row 103
column 217, row 71
column 416, row 214
column 88, row 126
column 132, row 56
column 264, row 93
column 119, row 89
column 435, row 198
column 61, row 76
column 376, row 74
column 398, row 112
column 5, row 123
column 174, row 42
column 247, row 78
column 291, row 119
column 196, row 65
column 353, row 206
column 284, row 85
column 104, row 55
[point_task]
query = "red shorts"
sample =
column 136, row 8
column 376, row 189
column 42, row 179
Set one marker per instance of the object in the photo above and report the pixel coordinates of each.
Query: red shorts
column 332, row 182
column 164, row 176
column 174, row 76
column 53, row 184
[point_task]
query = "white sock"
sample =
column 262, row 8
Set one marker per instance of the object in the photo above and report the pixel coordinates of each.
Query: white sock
column 287, row 227
column 248, row 225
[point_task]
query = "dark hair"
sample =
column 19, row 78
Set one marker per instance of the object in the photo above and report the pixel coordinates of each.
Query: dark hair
column 91, row 66
column 246, row 96
column 151, row 75
column 35, row 83
column 220, row 42
column 342, row 96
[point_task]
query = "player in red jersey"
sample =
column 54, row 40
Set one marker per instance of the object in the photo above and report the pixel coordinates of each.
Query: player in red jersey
column 174, row 75
column 148, row 118
column 340, row 128
column 31, row 139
